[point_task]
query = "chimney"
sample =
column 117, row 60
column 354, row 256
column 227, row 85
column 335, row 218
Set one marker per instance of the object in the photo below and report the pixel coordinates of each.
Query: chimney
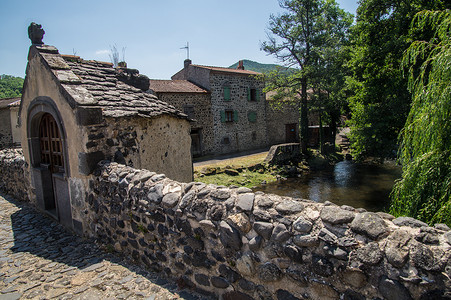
column 186, row 63
column 240, row 65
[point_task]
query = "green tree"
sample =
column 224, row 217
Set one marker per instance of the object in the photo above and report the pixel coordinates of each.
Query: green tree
column 424, row 192
column 300, row 38
column 329, row 97
column 10, row 86
column 380, row 100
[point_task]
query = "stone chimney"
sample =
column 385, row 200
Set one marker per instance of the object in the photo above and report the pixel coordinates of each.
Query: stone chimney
column 187, row 62
column 240, row 65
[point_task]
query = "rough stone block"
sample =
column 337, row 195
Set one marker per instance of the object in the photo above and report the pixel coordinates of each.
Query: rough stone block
column 245, row 202
column 370, row 224
column 87, row 162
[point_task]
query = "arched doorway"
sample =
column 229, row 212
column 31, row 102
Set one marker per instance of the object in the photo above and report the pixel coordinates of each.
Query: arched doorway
column 48, row 151
column 51, row 155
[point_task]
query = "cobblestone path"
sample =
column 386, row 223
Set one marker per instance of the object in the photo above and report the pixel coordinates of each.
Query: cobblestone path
column 41, row 260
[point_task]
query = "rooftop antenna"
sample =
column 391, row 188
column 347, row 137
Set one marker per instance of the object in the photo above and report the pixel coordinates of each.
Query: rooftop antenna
column 187, row 50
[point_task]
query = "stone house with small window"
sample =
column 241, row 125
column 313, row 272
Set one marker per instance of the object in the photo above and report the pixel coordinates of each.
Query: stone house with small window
column 237, row 107
column 195, row 102
column 75, row 113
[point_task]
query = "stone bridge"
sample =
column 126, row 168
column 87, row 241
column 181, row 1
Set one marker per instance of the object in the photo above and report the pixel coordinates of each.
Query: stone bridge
column 236, row 244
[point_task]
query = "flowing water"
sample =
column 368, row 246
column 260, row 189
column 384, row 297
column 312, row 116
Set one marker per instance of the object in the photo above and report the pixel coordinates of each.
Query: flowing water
column 347, row 183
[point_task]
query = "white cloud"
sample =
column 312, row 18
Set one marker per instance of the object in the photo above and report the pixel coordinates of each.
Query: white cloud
column 102, row 52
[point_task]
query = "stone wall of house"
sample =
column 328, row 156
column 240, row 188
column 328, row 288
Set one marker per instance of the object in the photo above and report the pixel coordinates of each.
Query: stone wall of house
column 241, row 133
column 14, row 178
column 245, row 245
column 156, row 144
column 6, row 137
column 202, row 114
column 15, row 130
column 194, row 74
column 278, row 116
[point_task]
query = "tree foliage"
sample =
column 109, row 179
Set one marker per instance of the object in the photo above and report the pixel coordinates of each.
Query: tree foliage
column 424, row 192
column 10, row 86
column 380, row 100
column 304, row 38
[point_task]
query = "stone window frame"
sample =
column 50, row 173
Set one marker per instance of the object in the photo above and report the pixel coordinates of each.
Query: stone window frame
column 253, row 94
column 229, row 115
column 254, row 135
column 190, row 114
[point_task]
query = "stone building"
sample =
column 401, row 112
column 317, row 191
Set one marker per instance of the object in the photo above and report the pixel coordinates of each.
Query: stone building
column 237, row 105
column 75, row 113
column 231, row 111
column 195, row 102
column 9, row 129
column 283, row 122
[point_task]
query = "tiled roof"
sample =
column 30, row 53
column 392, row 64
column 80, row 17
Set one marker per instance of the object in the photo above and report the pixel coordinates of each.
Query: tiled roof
column 175, row 86
column 94, row 83
column 227, row 70
column 9, row 102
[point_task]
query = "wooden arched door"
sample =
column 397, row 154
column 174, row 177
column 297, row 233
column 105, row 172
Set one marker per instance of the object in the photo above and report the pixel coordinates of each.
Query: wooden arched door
column 53, row 175
column 51, row 144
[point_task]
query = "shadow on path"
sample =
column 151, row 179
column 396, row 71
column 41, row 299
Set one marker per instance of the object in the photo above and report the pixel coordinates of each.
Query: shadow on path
column 38, row 255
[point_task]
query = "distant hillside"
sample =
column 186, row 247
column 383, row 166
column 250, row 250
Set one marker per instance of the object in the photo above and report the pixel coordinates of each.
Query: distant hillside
column 255, row 66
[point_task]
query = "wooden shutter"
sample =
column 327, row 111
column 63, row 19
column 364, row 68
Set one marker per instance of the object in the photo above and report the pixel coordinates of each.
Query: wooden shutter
column 235, row 116
column 252, row 116
column 257, row 94
column 223, row 117
column 226, row 93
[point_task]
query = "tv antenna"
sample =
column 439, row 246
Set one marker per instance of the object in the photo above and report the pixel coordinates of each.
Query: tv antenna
column 187, row 50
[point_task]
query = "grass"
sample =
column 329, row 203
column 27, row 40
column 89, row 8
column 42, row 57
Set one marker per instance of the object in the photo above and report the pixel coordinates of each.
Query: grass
column 250, row 171
column 238, row 162
column 245, row 177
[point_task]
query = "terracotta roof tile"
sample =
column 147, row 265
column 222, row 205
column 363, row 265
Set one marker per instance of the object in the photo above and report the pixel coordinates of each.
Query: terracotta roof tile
column 175, row 86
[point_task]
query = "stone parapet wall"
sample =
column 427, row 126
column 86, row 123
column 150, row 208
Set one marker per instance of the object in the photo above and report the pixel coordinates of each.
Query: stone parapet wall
column 14, row 173
column 280, row 154
column 243, row 245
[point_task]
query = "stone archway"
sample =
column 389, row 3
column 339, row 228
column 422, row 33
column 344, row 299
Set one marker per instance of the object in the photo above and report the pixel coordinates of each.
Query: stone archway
column 48, row 156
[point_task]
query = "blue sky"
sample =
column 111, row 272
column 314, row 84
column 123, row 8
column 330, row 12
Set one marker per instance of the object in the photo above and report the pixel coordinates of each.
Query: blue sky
column 219, row 32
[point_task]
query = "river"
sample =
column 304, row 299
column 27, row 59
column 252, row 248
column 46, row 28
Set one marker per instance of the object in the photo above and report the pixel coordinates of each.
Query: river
column 347, row 183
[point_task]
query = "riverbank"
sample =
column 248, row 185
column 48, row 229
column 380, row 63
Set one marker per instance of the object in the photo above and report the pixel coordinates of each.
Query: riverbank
column 251, row 171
